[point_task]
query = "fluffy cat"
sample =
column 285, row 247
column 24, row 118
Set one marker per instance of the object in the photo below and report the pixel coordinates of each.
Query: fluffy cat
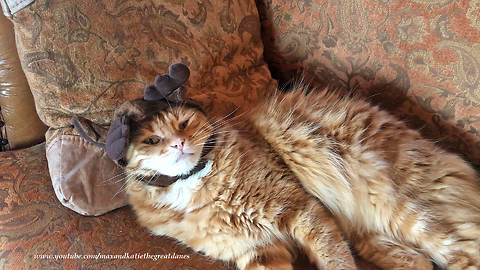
column 253, row 192
column 401, row 200
column 235, row 199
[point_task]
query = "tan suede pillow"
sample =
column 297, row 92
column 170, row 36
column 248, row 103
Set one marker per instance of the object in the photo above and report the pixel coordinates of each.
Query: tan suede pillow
column 86, row 57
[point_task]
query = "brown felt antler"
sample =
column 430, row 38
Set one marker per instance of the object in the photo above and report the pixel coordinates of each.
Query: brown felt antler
column 166, row 92
column 166, row 84
column 158, row 96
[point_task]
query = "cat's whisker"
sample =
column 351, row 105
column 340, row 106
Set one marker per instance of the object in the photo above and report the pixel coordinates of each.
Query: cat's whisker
column 129, row 184
column 212, row 143
column 195, row 141
column 213, row 123
column 131, row 180
column 113, row 177
column 356, row 87
column 222, row 132
column 224, row 117
column 142, row 178
column 219, row 123
column 203, row 128
column 110, row 182
column 222, row 121
column 125, row 172
column 229, row 120
column 124, row 186
column 200, row 129
column 151, row 177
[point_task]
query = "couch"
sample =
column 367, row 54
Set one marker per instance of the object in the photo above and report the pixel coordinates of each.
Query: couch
column 417, row 59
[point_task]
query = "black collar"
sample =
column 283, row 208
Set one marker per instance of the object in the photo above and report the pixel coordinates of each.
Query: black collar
column 160, row 180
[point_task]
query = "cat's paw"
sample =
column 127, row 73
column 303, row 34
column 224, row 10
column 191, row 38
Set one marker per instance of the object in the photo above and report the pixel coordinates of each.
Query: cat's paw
column 117, row 138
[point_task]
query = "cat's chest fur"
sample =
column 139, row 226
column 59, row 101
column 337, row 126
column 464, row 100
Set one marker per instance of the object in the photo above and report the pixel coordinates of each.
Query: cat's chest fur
column 219, row 208
column 180, row 195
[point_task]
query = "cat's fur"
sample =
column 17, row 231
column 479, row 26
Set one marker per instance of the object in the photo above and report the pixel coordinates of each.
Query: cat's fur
column 245, row 206
column 399, row 199
column 397, row 196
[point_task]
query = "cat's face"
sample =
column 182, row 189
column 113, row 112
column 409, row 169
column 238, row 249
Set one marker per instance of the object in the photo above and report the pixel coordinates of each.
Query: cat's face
column 170, row 142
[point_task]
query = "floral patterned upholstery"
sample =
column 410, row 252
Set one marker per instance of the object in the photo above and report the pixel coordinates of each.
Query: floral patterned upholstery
column 416, row 58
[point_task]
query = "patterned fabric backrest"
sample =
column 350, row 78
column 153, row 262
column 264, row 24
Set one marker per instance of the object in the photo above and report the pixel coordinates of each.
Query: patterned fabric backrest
column 416, row 58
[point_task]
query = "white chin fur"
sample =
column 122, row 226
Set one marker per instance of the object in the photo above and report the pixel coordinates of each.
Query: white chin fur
column 174, row 165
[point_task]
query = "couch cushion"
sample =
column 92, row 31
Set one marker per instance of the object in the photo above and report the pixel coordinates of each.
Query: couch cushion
column 86, row 57
column 417, row 58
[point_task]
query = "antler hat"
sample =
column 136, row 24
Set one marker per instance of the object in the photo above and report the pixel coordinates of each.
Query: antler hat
column 167, row 92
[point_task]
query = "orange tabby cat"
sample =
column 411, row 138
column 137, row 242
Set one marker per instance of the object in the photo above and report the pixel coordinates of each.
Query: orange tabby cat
column 399, row 198
column 225, row 193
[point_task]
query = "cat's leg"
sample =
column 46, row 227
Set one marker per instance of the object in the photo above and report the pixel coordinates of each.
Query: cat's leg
column 272, row 257
column 389, row 254
column 318, row 235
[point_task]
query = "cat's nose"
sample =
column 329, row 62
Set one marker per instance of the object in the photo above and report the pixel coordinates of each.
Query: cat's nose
column 178, row 143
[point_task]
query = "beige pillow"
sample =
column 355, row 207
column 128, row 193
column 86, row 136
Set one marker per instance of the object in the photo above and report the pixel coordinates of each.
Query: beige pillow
column 84, row 58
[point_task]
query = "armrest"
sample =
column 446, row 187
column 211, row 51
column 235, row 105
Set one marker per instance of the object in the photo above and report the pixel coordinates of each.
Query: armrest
column 20, row 125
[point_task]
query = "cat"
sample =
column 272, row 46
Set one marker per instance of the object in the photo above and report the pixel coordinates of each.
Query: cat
column 400, row 200
column 220, row 189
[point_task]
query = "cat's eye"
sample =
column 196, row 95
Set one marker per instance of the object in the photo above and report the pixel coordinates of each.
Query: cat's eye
column 152, row 140
column 183, row 125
